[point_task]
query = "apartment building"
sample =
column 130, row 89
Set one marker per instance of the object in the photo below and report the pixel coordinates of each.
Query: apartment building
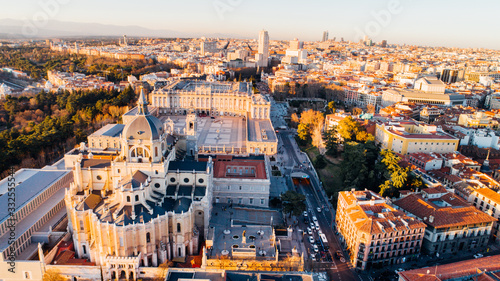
column 453, row 225
column 487, row 200
column 374, row 232
column 409, row 137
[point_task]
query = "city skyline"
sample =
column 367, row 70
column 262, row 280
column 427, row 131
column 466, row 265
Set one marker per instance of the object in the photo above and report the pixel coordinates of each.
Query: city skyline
column 398, row 21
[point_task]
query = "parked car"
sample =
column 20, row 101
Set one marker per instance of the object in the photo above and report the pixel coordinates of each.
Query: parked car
column 309, row 231
column 315, row 248
column 478, row 255
column 318, row 209
column 315, row 218
column 338, row 254
column 311, row 240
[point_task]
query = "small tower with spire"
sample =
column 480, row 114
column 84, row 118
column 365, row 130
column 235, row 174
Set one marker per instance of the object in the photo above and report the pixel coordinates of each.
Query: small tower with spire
column 142, row 104
column 485, row 168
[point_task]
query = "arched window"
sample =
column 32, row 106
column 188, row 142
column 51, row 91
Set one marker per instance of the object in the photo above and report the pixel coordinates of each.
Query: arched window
column 148, row 237
column 128, row 198
column 156, row 151
column 137, row 198
column 178, row 227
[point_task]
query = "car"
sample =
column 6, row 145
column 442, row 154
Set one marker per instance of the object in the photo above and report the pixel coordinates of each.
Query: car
column 398, row 270
column 315, row 248
column 342, row 259
column 304, row 213
column 313, row 258
column 211, row 117
column 318, row 209
column 315, row 218
column 338, row 254
column 311, row 240
column 312, row 225
column 478, row 255
column 309, row 231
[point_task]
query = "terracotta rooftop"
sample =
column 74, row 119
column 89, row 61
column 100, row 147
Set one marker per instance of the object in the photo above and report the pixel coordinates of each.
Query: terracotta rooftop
column 448, row 210
column 489, row 194
column 484, row 268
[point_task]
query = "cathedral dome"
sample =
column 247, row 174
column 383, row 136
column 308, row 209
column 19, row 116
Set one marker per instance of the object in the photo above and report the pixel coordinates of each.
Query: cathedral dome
column 144, row 126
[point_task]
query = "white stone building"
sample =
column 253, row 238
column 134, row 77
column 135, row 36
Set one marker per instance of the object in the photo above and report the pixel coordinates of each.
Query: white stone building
column 140, row 207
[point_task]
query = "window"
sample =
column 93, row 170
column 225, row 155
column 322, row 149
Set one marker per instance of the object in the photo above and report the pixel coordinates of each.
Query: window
column 178, row 227
column 137, row 198
column 118, row 170
column 99, row 177
column 81, row 225
column 84, row 249
column 148, row 237
column 186, row 180
column 240, row 200
column 172, row 179
column 128, row 198
column 27, row 275
column 201, row 180
column 228, row 200
column 262, row 201
column 251, row 200
column 157, row 185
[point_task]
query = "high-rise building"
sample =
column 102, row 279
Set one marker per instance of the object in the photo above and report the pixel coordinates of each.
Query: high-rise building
column 383, row 44
column 263, row 55
column 295, row 45
column 325, row 36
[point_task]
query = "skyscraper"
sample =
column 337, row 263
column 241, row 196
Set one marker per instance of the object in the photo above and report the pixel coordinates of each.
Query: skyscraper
column 325, row 36
column 263, row 55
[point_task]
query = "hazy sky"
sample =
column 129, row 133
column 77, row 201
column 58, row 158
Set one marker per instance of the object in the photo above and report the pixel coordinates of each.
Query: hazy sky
column 424, row 22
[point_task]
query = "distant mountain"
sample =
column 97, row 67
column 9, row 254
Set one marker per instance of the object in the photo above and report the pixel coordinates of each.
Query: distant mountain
column 11, row 28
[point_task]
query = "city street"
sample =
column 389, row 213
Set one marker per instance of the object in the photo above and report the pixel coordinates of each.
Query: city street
column 296, row 161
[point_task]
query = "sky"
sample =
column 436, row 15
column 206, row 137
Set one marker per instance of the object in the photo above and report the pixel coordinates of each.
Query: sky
column 456, row 23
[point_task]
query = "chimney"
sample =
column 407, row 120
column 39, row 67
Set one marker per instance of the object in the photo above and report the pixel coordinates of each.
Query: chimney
column 431, row 219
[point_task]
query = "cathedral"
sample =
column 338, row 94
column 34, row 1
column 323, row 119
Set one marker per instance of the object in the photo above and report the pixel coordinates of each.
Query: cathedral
column 133, row 203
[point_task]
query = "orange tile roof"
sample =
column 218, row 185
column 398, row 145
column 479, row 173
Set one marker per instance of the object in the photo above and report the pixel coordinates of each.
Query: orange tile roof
column 490, row 194
column 453, row 270
column 460, row 213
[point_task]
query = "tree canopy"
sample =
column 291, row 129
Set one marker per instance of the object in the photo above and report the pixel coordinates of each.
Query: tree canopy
column 293, row 203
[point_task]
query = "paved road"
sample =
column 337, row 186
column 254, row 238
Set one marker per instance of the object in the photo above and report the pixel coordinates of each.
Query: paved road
column 337, row 270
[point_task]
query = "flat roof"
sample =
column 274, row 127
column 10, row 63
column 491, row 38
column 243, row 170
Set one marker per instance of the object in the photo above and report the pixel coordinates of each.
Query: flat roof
column 187, row 166
column 256, row 129
column 23, row 225
column 28, row 187
column 110, row 130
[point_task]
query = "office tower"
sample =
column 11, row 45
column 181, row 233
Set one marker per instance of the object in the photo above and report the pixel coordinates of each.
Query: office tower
column 325, row 36
column 125, row 40
column 263, row 55
column 384, row 43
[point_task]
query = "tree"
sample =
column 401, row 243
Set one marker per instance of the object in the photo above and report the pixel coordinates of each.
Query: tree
column 320, row 162
column 357, row 111
column 348, row 128
column 162, row 271
column 303, row 132
column 293, row 203
column 370, row 108
column 331, row 107
column 53, row 275
column 331, row 141
column 295, row 119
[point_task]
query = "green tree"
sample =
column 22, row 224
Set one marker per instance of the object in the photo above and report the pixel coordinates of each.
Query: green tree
column 331, row 141
column 293, row 203
column 320, row 162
